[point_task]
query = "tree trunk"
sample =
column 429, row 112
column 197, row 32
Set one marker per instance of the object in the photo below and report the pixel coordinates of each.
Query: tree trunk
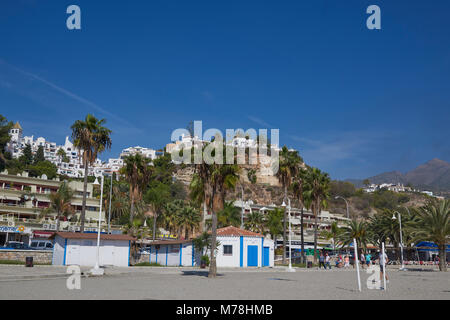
column 284, row 228
column 302, row 237
column 132, row 204
column 57, row 222
column 83, row 205
column 442, row 258
column 155, row 216
column 316, row 212
column 213, row 267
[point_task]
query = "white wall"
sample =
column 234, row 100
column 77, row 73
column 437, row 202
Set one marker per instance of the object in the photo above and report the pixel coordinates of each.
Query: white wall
column 83, row 252
column 58, row 251
column 226, row 260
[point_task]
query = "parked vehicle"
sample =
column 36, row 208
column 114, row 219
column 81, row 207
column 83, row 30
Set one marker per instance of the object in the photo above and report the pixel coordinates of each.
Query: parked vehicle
column 16, row 245
column 41, row 245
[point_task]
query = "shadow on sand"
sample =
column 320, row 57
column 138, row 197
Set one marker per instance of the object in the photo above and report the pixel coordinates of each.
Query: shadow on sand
column 198, row 273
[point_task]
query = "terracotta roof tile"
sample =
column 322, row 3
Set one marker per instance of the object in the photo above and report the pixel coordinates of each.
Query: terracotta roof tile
column 79, row 235
column 236, row 232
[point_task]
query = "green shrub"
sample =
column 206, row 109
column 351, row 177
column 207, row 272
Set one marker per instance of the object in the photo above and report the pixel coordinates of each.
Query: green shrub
column 205, row 258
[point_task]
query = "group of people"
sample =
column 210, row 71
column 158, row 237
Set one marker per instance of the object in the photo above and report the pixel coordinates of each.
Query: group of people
column 343, row 261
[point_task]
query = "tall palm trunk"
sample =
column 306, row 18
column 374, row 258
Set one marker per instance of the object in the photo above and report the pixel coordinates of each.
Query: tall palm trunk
column 57, row 221
column 442, row 258
column 284, row 228
column 302, row 235
column 132, row 204
column 155, row 216
column 316, row 212
column 83, row 205
column 213, row 266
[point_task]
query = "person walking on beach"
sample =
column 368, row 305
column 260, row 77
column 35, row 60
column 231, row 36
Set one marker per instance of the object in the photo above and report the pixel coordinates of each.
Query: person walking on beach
column 368, row 259
column 383, row 260
column 327, row 261
column 322, row 261
column 346, row 262
column 363, row 260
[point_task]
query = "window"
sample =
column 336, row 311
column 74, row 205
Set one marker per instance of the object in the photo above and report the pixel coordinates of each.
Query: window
column 228, row 250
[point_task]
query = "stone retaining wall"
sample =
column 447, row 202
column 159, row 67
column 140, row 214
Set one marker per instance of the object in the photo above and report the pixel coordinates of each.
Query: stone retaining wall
column 39, row 256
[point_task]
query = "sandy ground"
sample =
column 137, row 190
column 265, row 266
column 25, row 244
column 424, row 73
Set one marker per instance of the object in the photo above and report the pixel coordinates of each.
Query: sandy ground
column 47, row 282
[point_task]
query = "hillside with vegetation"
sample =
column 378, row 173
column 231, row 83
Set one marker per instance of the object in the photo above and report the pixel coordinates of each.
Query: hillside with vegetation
column 433, row 175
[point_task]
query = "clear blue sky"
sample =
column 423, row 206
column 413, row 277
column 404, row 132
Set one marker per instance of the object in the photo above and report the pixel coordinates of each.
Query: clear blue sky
column 354, row 102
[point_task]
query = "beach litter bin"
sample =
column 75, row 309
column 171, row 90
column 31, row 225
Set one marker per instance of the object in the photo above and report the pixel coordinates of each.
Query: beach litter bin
column 29, row 262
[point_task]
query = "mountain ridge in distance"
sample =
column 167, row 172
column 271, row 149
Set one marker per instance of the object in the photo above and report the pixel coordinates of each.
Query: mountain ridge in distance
column 433, row 175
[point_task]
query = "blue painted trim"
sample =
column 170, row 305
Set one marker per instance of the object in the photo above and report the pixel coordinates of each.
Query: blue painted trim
column 129, row 248
column 167, row 253
column 156, row 255
column 262, row 252
column 241, row 251
column 193, row 253
column 181, row 254
column 53, row 252
column 65, row 252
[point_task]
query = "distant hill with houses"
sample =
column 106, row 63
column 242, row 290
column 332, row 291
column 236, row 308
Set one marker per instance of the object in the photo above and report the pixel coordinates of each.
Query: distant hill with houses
column 433, row 175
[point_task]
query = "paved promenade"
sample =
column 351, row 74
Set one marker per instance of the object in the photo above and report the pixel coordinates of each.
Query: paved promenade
column 48, row 282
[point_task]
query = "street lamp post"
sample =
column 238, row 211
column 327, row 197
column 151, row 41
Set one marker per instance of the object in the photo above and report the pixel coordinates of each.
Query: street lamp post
column 290, row 269
column 346, row 203
column 97, row 270
column 401, row 237
column 109, row 208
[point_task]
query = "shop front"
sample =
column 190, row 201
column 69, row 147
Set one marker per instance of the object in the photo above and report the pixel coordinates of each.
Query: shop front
column 19, row 233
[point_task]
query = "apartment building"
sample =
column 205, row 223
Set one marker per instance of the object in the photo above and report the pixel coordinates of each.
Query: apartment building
column 25, row 202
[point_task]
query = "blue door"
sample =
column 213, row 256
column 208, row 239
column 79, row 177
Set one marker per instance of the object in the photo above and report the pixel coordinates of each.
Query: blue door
column 252, row 256
column 266, row 254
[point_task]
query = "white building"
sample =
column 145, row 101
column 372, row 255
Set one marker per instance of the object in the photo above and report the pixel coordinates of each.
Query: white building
column 146, row 152
column 71, row 164
column 80, row 249
column 238, row 248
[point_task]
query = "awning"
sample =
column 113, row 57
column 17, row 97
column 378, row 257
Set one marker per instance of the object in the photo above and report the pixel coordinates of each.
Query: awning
column 429, row 246
column 42, row 234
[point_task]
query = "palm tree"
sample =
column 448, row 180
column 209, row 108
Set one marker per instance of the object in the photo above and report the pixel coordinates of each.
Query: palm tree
column 211, row 182
column 189, row 220
column 91, row 138
column 317, row 189
column 288, row 167
column 136, row 170
column 120, row 203
column 355, row 230
column 273, row 222
column 333, row 234
column 229, row 216
column 157, row 196
column 299, row 192
column 171, row 216
column 433, row 224
column 255, row 222
column 60, row 202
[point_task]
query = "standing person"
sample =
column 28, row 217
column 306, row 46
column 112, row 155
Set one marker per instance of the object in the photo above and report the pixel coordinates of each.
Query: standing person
column 346, row 261
column 383, row 260
column 363, row 260
column 327, row 261
column 322, row 261
column 368, row 259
